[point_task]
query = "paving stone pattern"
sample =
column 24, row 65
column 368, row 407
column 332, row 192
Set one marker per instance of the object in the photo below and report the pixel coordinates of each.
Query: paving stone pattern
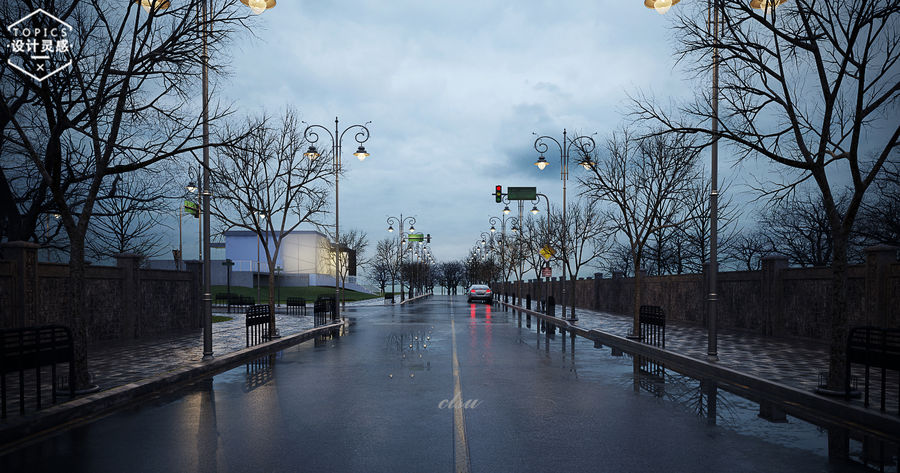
column 793, row 362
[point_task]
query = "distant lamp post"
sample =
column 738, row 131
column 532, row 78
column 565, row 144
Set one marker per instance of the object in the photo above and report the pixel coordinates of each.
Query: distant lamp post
column 583, row 144
column 361, row 135
column 400, row 222
column 228, row 264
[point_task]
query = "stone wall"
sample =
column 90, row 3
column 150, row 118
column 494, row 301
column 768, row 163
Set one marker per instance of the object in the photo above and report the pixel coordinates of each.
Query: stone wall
column 777, row 300
column 124, row 301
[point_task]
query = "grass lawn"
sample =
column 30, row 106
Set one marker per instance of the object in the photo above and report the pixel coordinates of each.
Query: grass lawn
column 221, row 318
column 308, row 293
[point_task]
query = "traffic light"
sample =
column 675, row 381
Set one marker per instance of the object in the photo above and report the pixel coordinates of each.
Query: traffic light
column 428, row 238
column 498, row 194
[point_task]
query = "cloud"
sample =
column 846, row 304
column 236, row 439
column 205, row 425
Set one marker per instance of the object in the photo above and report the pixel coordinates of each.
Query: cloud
column 454, row 92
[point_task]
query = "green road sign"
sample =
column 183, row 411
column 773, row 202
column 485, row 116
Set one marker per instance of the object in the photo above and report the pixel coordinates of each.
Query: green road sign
column 416, row 237
column 521, row 193
column 192, row 208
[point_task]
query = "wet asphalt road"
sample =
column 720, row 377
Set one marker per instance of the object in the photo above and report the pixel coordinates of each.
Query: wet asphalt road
column 383, row 398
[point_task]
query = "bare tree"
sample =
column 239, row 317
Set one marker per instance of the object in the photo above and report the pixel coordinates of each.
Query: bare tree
column 123, row 105
column 749, row 247
column 383, row 265
column 696, row 230
column 353, row 243
column 811, row 86
column 265, row 185
column 127, row 220
column 586, row 239
column 879, row 219
column 798, row 228
column 452, row 274
column 647, row 181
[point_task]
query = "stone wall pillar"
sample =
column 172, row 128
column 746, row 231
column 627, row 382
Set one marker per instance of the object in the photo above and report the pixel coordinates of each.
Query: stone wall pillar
column 878, row 264
column 130, row 302
column 772, row 296
column 25, row 289
column 596, row 296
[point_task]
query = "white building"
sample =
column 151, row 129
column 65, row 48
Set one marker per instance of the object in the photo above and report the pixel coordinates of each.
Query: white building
column 305, row 259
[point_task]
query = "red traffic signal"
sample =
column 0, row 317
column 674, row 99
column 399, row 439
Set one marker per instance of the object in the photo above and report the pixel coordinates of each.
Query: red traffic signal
column 498, row 194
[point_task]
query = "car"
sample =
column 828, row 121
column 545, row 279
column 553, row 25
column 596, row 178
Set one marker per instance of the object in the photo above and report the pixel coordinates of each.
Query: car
column 480, row 292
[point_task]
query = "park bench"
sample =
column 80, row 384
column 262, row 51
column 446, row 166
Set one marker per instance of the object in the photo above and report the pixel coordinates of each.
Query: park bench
column 34, row 348
column 296, row 305
column 257, row 324
column 224, row 298
column 323, row 310
column 652, row 322
column 240, row 301
column 873, row 347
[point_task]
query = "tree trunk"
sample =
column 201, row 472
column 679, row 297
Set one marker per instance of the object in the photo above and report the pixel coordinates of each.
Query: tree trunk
column 572, row 279
column 636, row 327
column 77, row 310
column 837, row 364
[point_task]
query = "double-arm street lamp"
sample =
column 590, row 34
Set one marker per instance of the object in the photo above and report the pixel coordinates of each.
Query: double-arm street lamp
column 257, row 6
column 502, row 221
column 401, row 222
column 582, row 144
column 535, row 211
column 714, row 6
column 361, row 136
column 156, row 5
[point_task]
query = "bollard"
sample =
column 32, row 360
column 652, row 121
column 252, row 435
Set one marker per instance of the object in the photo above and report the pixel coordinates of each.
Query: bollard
column 551, row 306
column 528, row 301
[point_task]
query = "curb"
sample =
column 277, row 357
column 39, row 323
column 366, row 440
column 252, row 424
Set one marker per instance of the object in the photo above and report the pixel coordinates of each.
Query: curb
column 808, row 406
column 68, row 414
column 423, row 296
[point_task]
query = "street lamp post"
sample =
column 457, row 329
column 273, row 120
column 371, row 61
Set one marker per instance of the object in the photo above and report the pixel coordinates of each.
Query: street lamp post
column 534, row 211
column 400, row 222
column 502, row 220
column 361, row 136
column 257, row 6
column 584, row 144
column 662, row 6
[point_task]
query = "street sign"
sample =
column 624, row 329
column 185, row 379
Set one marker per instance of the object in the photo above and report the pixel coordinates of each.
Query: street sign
column 521, row 193
column 546, row 272
column 416, row 237
column 547, row 252
column 192, row 208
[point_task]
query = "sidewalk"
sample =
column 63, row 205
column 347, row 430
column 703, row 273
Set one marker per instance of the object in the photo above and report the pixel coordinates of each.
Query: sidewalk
column 792, row 362
column 127, row 361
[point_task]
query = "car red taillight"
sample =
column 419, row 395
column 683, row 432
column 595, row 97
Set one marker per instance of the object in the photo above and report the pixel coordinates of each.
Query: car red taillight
column 487, row 291
column 473, row 291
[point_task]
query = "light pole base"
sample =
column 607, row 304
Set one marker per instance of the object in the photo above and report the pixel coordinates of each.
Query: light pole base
column 712, row 358
column 207, row 357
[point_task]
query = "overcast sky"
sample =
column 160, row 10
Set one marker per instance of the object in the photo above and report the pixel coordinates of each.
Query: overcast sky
column 454, row 91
